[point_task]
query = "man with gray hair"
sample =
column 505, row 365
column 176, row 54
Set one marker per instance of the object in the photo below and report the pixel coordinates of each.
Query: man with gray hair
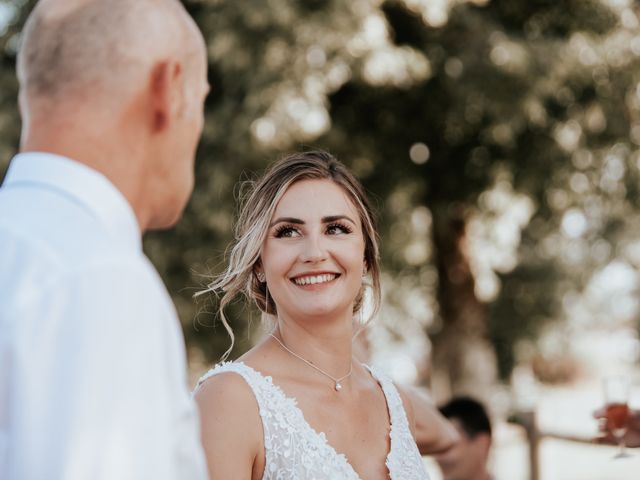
column 92, row 359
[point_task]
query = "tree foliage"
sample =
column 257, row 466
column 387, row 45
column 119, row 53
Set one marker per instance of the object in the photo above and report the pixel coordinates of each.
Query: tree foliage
column 499, row 138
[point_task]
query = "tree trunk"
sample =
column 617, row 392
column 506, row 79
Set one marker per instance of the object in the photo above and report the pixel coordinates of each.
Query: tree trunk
column 463, row 358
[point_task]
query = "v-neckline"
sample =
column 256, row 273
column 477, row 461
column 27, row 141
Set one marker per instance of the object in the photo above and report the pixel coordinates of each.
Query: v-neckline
column 321, row 437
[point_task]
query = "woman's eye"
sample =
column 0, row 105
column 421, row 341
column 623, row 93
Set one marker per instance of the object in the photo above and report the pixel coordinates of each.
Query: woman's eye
column 337, row 228
column 286, row 232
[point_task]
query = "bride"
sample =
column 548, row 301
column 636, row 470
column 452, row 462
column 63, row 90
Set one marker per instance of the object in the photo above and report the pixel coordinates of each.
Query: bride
column 298, row 405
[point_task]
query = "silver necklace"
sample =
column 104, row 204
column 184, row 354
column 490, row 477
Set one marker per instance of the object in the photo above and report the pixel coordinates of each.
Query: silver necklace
column 336, row 381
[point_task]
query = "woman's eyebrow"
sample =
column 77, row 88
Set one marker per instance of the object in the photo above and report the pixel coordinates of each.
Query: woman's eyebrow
column 297, row 221
column 334, row 218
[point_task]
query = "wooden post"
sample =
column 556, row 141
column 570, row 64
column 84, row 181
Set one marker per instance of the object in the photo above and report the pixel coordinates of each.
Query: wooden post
column 528, row 420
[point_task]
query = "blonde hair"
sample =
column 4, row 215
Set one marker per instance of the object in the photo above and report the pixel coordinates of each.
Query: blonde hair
column 257, row 207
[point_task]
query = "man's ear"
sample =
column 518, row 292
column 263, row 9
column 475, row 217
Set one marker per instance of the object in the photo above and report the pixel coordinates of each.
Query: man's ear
column 165, row 89
column 483, row 440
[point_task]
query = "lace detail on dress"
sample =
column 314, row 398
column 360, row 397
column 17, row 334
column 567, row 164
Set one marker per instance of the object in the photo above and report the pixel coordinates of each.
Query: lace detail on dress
column 404, row 460
column 295, row 451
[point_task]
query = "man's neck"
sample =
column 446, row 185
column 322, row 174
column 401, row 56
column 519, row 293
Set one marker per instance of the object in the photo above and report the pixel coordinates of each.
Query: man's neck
column 120, row 169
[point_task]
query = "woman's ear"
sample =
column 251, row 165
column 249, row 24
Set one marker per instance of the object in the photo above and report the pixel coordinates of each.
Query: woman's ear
column 258, row 271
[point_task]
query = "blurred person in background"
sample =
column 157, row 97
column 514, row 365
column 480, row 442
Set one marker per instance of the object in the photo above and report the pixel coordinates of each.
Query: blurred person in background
column 468, row 458
column 435, row 434
column 92, row 359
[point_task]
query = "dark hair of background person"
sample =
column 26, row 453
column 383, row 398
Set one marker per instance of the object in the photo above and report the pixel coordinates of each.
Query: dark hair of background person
column 470, row 413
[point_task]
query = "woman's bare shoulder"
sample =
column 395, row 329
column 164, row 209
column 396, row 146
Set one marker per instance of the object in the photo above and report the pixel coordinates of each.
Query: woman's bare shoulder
column 227, row 401
column 223, row 387
column 230, row 425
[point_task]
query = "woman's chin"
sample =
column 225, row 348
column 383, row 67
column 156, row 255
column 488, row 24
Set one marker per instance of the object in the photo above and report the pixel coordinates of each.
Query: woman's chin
column 329, row 312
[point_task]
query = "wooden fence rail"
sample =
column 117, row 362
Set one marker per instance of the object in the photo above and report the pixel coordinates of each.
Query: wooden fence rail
column 527, row 419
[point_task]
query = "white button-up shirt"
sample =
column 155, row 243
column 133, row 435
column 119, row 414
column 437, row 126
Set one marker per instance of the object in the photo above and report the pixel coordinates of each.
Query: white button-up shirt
column 92, row 360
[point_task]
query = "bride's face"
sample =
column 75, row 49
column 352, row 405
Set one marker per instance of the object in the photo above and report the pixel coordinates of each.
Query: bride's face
column 313, row 257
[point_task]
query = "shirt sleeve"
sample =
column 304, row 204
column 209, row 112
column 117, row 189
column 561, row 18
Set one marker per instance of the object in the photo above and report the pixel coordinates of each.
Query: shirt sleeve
column 100, row 388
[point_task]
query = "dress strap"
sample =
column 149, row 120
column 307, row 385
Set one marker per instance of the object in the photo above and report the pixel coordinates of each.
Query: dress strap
column 397, row 414
column 260, row 385
column 404, row 460
column 224, row 367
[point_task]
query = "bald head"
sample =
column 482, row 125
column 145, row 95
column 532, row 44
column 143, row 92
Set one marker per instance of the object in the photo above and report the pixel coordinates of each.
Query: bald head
column 118, row 85
column 99, row 50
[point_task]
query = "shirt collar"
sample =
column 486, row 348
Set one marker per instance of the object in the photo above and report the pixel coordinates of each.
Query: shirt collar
column 85, row 185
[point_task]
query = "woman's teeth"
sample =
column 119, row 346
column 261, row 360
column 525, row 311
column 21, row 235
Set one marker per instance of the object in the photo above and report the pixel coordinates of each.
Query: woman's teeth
column 314, row 279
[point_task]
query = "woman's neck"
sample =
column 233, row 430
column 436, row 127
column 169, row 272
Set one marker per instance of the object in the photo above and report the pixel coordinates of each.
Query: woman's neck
column 326, row 345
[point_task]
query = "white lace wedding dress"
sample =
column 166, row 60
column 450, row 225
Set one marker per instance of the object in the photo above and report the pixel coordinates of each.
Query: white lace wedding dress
column 295, row 451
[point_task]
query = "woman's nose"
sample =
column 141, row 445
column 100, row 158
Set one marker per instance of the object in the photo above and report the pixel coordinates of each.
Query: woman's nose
column 313, row 249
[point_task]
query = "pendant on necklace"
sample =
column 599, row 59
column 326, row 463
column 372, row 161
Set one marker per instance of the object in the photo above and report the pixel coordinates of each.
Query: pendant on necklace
column 338, row 386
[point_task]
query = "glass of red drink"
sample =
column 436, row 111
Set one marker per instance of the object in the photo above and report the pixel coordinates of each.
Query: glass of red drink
column 616, row 395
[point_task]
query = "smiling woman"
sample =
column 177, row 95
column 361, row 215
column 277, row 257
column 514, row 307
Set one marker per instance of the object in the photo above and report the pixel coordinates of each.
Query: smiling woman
column 258, row 219
column 313, row 256
column 299, row 405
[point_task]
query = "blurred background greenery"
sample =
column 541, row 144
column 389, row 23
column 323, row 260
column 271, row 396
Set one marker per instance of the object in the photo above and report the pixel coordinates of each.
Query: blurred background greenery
column 498, row 138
